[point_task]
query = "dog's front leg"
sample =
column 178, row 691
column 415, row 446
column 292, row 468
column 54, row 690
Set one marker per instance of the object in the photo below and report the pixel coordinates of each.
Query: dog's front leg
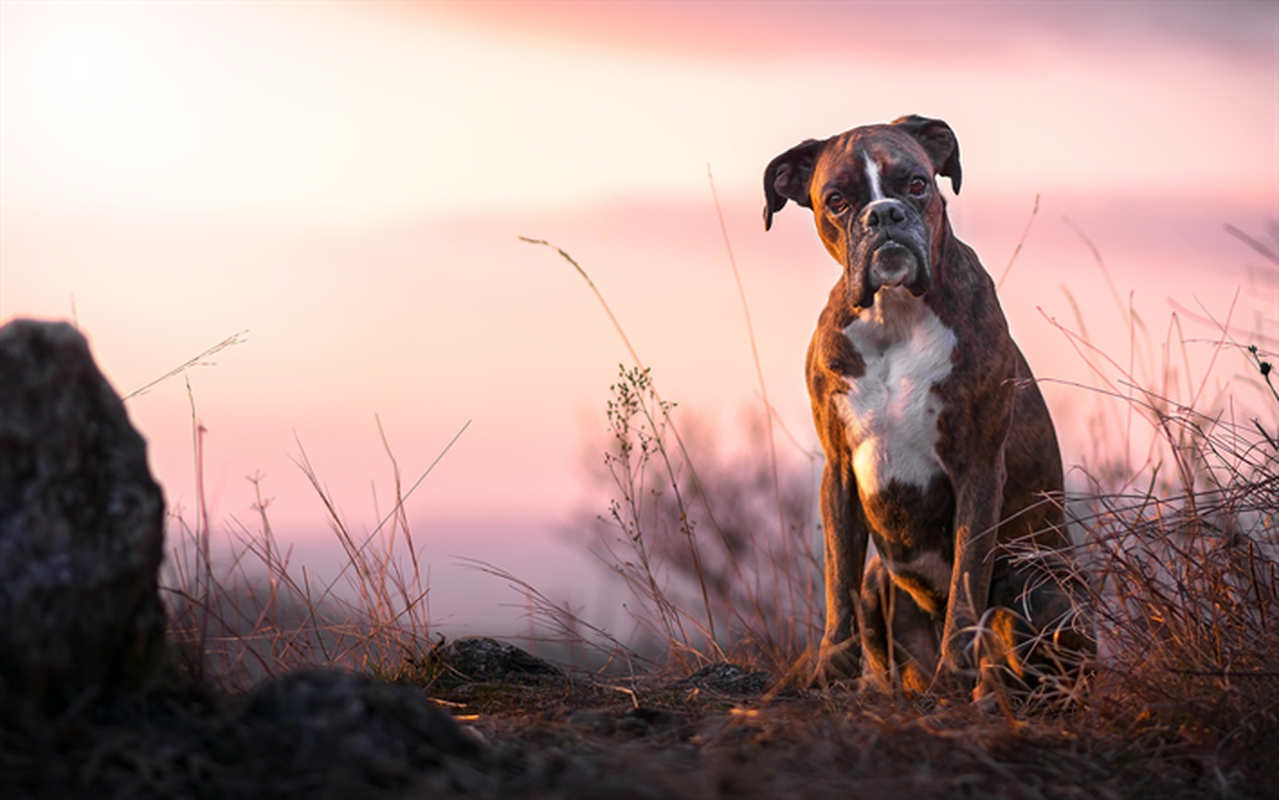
column 978, row 501
column 844, row 527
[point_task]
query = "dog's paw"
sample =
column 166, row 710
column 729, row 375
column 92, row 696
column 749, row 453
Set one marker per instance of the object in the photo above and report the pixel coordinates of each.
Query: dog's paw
column 949, row 684
column 837, row 663
column 956, row 677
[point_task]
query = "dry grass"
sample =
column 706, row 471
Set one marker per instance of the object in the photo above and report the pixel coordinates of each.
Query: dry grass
column 248, row 613
column 1182, row 537
column 699, row 547
column 719, row 558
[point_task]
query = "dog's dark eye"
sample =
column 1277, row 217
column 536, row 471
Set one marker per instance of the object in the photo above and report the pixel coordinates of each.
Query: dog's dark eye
column 918, row 186
column 836, row 203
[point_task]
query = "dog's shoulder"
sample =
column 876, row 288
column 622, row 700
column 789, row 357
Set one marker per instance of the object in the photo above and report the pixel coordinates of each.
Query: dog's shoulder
column 967, row 301
column 831, row 356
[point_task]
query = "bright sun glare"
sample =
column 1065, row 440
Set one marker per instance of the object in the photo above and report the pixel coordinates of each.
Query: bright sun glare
column 89, row 85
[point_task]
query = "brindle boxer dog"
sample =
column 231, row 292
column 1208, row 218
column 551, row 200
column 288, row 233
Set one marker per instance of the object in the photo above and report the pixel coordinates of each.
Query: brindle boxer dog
column 939, row 446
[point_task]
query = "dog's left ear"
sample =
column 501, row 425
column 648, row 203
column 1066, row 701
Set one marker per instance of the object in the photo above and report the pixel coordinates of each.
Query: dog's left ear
column 788, row 176
column 939, row 142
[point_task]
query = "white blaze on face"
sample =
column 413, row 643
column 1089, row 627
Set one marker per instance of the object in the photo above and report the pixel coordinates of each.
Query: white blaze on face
column 890, row 413
column 872, row 175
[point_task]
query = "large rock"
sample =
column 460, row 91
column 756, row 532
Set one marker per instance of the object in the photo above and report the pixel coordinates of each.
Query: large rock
column 81, row 528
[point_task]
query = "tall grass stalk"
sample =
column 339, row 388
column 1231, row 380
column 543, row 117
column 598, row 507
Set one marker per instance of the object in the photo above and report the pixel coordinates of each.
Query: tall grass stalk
column 663, row 408
column 758, row 609
column 247, row 612
column 649, row 516
column 768, row 412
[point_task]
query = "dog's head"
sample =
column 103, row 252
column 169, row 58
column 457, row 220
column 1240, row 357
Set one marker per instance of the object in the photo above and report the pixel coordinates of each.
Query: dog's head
column 875, row 200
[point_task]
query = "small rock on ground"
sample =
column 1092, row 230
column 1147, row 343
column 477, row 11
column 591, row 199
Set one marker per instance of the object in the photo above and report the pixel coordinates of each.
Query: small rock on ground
column 482, row 658
column 724, row 678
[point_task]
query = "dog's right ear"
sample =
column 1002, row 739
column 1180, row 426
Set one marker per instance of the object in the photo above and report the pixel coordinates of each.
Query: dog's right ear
column 788, row 176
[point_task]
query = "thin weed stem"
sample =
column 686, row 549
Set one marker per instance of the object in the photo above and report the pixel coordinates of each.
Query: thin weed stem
column 1020, row 243
column 763, row 388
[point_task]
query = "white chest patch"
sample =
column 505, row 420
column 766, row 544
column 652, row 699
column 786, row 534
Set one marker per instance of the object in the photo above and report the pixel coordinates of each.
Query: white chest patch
column 890, row 413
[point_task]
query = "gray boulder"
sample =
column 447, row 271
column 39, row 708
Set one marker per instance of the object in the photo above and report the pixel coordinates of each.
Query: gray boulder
column 81, row 529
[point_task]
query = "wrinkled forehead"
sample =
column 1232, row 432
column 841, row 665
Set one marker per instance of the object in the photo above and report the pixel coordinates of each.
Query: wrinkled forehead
column 881, row 144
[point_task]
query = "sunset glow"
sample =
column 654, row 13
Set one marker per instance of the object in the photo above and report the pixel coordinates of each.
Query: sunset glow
column 348, row 182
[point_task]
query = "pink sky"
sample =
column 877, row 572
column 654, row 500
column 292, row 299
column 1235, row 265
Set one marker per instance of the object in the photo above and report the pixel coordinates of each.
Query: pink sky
column 348, row 182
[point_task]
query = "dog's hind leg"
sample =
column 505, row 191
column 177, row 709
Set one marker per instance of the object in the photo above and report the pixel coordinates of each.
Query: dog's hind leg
column 900, row 641
column 1038, row 625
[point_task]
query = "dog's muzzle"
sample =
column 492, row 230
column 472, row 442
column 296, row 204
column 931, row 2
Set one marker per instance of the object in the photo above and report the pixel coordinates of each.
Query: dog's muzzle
column 892, row 251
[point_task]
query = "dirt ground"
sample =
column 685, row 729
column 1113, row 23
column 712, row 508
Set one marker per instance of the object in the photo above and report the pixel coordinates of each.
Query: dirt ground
column 337, row 735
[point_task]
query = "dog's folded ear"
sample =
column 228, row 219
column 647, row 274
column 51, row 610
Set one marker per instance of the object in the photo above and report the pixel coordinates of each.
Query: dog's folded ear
column 939, row 142
column 788, row 176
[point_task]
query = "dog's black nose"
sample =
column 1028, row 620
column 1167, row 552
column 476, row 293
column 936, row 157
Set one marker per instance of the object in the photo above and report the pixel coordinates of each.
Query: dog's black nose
column 883, row 214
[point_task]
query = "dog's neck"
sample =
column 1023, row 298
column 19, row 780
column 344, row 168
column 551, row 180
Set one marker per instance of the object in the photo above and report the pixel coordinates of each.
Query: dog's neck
column 891, row 318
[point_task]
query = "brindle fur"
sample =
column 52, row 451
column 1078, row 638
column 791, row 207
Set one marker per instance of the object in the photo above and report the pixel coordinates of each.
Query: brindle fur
column 1001, row 467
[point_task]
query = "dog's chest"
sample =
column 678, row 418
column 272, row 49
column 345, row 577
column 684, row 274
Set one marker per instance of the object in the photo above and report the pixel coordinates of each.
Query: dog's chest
column 890, row 412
